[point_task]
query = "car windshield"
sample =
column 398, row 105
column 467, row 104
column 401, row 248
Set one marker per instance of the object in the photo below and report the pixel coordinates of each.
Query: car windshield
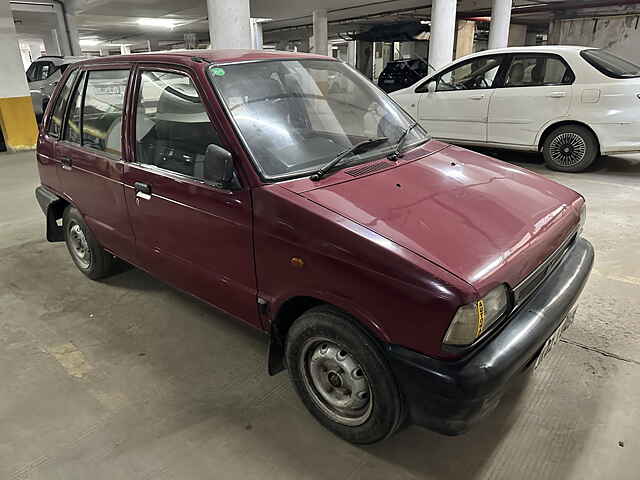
column 611, row 64
column 296, row 115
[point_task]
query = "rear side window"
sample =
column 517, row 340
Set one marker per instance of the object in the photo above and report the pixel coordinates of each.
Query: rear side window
column 102, row 110
column 74, row 118
column 610, row 64
column 55, row 124
column 537, row 71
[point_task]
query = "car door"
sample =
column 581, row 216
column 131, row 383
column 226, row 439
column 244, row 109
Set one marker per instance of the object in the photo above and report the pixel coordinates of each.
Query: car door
column 536, row 89
column 190, row 232
column 454, row 104
column 90, row 156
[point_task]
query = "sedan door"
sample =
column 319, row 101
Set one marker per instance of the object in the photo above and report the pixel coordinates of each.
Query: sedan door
column 537, row 90
column 194, row 234
column 454, row 104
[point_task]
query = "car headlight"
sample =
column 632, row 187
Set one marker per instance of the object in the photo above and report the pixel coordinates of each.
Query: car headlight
column 471, row 321
column 583, row 218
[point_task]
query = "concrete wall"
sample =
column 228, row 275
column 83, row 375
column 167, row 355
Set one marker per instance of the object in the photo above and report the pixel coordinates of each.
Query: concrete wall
column 620, row 34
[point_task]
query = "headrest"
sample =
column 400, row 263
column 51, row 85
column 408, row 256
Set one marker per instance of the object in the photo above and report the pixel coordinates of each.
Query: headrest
column 181, row 103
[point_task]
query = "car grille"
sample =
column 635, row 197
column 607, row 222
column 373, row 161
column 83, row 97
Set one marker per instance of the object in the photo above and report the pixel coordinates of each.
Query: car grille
column 531, row 283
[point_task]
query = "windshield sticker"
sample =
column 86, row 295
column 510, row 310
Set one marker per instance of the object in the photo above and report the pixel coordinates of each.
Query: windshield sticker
column 219, row 72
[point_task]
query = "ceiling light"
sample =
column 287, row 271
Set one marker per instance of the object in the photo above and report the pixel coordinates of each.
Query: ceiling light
column 90, row 42
column 158, row 22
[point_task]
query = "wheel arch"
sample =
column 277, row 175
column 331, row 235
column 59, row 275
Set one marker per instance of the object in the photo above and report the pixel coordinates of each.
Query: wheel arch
column 288, row 311
column 562, row 123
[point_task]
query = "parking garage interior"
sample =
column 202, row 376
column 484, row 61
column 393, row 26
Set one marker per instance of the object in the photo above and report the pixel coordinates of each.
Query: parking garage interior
column 130, row 378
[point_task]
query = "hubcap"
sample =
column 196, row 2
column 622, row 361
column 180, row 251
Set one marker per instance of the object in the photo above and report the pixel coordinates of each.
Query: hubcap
column 568, row 149
column 79, row 246
column 337, row 383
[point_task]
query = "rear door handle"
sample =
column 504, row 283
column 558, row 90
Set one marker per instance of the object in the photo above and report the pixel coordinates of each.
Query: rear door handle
column 558, row 94
column 143, row 190
column 477, row 97
column 66, row 162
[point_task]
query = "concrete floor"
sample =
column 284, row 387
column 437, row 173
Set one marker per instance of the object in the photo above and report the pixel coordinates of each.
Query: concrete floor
column 129, row 379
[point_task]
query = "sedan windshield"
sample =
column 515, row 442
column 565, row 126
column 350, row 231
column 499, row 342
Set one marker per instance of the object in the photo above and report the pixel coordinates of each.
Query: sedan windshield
column 297, row 115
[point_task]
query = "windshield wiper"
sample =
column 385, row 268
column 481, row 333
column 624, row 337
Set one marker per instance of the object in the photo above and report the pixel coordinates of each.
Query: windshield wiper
column 357, row 148
column 397, row 153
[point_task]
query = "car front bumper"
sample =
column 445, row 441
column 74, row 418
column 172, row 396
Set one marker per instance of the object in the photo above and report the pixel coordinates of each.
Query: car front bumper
column 450, row 396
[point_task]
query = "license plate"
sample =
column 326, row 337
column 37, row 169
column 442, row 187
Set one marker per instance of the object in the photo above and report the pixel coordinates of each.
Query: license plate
column 555, row 338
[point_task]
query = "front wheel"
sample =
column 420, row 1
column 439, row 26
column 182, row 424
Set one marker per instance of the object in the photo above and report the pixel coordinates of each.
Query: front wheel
column 342, row 377
column 570, row 148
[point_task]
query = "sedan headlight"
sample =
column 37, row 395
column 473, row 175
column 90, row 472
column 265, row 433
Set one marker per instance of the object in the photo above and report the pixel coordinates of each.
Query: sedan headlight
column 471, row 321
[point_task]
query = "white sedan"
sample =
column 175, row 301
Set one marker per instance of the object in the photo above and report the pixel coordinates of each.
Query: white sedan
column 571, row 103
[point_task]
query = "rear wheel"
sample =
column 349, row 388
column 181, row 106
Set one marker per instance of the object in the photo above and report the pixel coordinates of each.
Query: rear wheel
column 90, row 258
column 570, row 148
column 342, row 377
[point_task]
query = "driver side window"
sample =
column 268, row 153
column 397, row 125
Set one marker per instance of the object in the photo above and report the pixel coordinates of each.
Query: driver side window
column 477, row 73
column 173, row 129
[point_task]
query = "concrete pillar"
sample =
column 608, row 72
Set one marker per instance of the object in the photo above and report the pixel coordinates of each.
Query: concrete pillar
column 443, row 26
column 553, row 37
column 364, row 58
column 351, row 53
column 153, row 45
column 51, row 45
column 256, row 34
column 125, row 49
column 190, row 41
column 517, row 35
column 229, row 23
column 320, row 44
column 67, row 29
column 35, row 47
column 465, row 37
column 17, row 121
column 532, row 39
column 500, row 21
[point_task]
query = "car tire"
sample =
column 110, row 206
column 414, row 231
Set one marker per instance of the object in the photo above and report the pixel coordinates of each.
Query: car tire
column 570, row 148
column 342, row 377
column 90, row 258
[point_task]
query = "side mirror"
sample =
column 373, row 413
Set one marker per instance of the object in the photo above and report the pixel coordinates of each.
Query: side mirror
column 218, row 166
column 431, row 86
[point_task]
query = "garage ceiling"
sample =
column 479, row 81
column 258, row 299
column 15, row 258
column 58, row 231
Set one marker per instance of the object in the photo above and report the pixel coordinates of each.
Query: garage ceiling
column 117, row 21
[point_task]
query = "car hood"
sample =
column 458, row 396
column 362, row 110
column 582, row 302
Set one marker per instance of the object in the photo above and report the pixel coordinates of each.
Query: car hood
column 483, row 220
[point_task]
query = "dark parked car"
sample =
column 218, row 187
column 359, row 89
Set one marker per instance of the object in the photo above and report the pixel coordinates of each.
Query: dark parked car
column 400, row 279
column 401, row 74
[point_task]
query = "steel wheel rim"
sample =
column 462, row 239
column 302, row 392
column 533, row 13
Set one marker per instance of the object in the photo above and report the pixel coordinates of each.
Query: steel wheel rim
column 78, row 245
column 568, row 149
column 338, row 385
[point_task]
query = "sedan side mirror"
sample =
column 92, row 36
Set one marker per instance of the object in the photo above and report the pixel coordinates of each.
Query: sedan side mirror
column 431, row 86
column 218, row 166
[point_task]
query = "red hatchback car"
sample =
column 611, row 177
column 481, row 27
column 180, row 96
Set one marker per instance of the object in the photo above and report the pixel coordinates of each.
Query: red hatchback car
column 400, row 279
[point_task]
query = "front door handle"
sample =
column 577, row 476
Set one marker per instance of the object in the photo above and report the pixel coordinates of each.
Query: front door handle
column 557, row 94
column 477, row 97
column 66, row 162
column 143, row 190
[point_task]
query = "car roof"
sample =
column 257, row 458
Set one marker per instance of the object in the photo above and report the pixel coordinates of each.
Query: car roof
column 212, row 56
column 531, row 49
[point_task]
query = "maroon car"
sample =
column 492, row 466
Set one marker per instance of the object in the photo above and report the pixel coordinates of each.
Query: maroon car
column 400, row 279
